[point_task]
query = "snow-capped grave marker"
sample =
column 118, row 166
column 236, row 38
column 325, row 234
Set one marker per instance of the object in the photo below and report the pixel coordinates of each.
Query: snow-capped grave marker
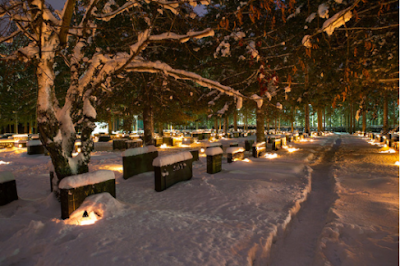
column 136, row 143
column 289, row 138
column 213, row 145
column 8, row 188
column 197, row 135
column 248, row 144
column 234, row 154
column 20, row 140
column 74, row 189
column 171, row 169
column 214, row 159
column 258, row 148
column 206, row 135
column 104, row 138
column 195, row 154
column 138, row 160
column 119, row 144
column 35, row 147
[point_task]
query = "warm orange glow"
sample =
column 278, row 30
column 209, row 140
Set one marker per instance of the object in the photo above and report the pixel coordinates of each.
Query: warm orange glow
column 88, row 220
column 390, row 150
column 19, row 145
column 202, row 150
column 164, row 146
column 397, row 163
column 271, row 155
column 79, row 150
column 246, row 160
column 112, row 167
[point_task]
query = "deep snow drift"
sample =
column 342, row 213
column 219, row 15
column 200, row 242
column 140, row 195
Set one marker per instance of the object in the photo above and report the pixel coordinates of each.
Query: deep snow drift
column 229, row 218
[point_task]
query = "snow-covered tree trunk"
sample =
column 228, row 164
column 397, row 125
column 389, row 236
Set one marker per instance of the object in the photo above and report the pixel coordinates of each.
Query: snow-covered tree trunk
column 260, row 124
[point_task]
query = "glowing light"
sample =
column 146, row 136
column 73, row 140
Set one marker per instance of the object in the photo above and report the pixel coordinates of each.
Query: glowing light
column 246, row 160
column 388, row 151
column 3, row 162
column 19, row 145
column 87, row 219
column 397, row 163
column 79, row 150
column 164, row 146
column 116, row 167
column 202, row 150
column 271, row 155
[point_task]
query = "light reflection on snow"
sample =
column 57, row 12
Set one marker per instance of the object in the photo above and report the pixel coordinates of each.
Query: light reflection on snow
column 246, row 160
column 397, row 163
column 271, row 155
column 164, row 146
column 388, row 151
column 3, row 162
column 290, row 149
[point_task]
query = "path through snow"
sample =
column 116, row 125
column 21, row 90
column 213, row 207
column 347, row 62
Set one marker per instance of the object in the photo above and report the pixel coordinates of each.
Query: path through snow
column 300, row 241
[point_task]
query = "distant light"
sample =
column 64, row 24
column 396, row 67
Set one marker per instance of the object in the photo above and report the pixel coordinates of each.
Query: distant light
column 19, row 145
column 202, row 150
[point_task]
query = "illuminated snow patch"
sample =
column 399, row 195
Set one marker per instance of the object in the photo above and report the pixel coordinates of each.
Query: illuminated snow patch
column 271, row 155
column 3, row 162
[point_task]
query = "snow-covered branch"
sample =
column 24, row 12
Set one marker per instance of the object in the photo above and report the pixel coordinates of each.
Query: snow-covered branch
column 182, row 38
column 158, row 67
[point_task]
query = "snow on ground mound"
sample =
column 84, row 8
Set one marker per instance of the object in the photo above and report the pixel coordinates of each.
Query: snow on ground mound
column 96, row 207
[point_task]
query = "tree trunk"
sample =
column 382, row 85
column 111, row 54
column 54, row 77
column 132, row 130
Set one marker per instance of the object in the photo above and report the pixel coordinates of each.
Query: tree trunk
column 307, row 118
column 385, row 128
column 160, row 129
column 147, row 123
column 226, row 124
column 245, row 119
column 235, row 128
column 319, row 115
column 364, row 121
column 216, row 124
column 260, row 125
column 292, row 120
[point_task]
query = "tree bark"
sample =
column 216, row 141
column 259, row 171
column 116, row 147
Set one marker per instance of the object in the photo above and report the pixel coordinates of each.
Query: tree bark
column 385, row 128
column 260, row 125
column 235, row 128
column 160, row 129
column 307, row 118
column 364, row 121
column 147, row 123
column 319, row 115
column 216, row 124
column 226, row 124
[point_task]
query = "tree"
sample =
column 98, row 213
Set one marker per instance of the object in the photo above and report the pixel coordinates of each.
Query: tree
column 73, row 35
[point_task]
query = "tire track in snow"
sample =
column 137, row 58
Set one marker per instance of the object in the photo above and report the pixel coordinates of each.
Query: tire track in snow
column 297, row 245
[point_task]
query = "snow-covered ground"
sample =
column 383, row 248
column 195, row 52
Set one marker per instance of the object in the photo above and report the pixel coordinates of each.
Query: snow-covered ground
column 363, row 226
column 229, row 218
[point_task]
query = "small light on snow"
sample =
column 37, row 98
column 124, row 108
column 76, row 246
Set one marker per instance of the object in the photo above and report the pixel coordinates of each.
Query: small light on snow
column 290, row 149
column 79, row 150
column 19, row 145
column 271, row 155
column 397, row 163
column 202, row 150
column 246, row 160
column 3, row 162
column 88, row 219
column 164, row 146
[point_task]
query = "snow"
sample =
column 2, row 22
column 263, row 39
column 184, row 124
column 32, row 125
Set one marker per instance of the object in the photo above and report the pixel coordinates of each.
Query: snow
column 306, row 41
column 6, row 176
column 171, row 159
column 89, row 178
column 235, row 217
column 258, row 100
column 338, row 20
column 234, row 149
column 323, row 10
column 214, row 151
column 34, row 142
column 137, row 151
